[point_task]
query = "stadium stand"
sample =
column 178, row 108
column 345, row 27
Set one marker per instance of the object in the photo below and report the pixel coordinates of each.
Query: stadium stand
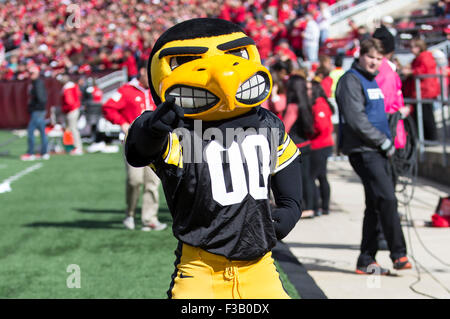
column 96, row 37
column 61, row 37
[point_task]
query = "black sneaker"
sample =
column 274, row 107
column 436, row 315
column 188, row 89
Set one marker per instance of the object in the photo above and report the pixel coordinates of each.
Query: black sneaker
column 372, row 269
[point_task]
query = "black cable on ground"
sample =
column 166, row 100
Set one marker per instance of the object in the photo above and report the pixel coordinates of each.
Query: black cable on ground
column 404, row 171
column 404, row 161
column 417, row 264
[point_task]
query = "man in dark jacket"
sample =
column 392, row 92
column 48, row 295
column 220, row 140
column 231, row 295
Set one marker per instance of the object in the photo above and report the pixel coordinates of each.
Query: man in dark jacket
column 365, row 137
column 36, row 107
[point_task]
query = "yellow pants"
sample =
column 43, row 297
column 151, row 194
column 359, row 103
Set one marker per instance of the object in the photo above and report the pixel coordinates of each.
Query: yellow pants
column 202, row 275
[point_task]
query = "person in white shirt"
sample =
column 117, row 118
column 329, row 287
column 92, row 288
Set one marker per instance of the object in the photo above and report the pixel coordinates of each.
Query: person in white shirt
column 324, row 21
column 311, row 37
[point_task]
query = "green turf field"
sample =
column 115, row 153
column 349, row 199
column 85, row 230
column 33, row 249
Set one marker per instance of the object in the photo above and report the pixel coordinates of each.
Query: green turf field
column 69, row 212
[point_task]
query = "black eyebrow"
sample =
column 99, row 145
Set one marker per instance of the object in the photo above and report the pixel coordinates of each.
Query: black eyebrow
column 182, row 50
column 236, row 44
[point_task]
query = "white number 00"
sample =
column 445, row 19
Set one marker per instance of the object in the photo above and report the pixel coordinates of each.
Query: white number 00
column 250, row 147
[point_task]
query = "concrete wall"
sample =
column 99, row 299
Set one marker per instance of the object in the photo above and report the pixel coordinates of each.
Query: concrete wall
column 432, row 166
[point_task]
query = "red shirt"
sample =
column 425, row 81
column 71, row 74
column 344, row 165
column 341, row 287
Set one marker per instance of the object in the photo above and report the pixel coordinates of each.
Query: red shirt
column 131, row 65
column 264, row 46
column 284, row 11
column 71, row 97
column 128, row 103
column 286, row 52
column 323, row 127
column 106, row 63
column 424, row 63
column 225, row 12
column 97, row 94
column 238, row 14
column 295, row 35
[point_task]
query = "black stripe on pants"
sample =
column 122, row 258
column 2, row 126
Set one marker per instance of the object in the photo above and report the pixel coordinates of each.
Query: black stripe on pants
column 178, row 252
column 381, row 204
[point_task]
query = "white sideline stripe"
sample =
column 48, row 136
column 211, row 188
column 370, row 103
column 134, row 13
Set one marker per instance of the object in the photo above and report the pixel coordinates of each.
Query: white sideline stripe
column 24, row 172
column 5, row 185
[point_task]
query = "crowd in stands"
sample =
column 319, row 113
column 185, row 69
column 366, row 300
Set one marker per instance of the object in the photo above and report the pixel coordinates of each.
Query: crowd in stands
column 61, row 37
column 89, row 36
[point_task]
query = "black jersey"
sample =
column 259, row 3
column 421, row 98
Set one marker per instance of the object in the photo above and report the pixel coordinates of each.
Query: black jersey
column 217, row 187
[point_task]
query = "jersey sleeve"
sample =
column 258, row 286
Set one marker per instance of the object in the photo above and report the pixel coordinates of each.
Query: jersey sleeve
column 284, row 151
column 287, row 151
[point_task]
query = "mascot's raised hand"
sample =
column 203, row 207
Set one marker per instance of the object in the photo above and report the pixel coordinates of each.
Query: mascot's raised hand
column 167, row 117
column 151, row 133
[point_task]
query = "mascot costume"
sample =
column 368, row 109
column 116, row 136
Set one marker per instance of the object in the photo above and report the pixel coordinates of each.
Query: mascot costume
column 207, row 79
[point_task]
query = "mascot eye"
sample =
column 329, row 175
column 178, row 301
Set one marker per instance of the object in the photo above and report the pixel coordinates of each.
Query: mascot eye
column 176, row 61
column 242, row 52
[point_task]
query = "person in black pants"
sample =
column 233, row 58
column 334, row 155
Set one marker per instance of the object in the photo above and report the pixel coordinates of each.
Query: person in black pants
column 364, row 135
column 307, row 182
column 319, row 160
column 381, row 204
column 321, row 145
column 298, row 120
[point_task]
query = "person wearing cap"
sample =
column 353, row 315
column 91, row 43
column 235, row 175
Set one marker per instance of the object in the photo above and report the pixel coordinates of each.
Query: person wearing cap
column 391, row 85
column 388, row 23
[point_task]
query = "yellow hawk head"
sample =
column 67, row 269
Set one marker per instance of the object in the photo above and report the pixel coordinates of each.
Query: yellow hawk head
column 211, row 68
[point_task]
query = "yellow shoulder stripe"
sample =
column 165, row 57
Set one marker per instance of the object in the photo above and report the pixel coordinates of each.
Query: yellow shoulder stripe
column 287, row 152
column 285, row 140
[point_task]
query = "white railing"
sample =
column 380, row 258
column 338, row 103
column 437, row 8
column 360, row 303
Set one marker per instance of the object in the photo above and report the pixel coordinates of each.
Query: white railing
column 346, row 8
column 112, row 79
column 443, row 46
column 111, row 82
column 441, row 121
